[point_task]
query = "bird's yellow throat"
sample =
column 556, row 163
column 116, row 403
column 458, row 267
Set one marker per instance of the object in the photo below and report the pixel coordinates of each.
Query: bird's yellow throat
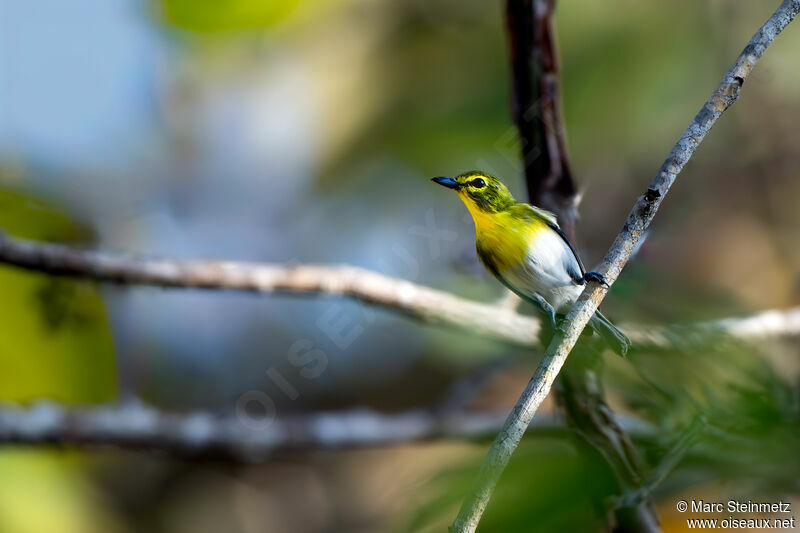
column 502, row 235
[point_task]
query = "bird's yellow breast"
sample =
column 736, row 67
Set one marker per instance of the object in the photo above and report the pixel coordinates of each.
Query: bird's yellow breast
column 503, row 240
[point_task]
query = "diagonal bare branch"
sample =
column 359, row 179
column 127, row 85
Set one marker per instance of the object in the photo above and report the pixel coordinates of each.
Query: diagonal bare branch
column 637, row 222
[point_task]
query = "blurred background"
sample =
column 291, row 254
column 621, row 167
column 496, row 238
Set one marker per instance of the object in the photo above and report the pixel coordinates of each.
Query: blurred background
column 300, row 131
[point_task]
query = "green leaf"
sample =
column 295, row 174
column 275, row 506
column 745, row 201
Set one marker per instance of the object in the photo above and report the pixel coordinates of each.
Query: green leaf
column 213, row 16
column 55, row 340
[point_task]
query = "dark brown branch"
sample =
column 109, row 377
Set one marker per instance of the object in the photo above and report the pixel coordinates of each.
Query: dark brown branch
column 536, row 108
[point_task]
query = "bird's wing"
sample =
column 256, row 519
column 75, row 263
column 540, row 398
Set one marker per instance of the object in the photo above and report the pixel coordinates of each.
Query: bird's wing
column 563, row 236
column 550, row 218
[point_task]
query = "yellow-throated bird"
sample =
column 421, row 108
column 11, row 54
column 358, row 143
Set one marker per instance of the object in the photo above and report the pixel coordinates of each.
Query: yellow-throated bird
column 523, row 247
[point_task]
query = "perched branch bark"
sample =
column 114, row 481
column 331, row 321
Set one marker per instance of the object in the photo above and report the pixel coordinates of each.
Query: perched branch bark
column 413, row 300
column 637, row 222
column 199, row 434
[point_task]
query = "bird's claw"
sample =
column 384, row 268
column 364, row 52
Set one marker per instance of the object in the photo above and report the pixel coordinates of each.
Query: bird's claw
column 597, row 278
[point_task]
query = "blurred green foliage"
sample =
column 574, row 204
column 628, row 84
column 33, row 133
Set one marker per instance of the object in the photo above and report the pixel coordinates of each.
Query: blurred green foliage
column 549, row 485
column 744, row 420
column 225, row 15
column 55, row 340
column 48, row 491
column 55, row 343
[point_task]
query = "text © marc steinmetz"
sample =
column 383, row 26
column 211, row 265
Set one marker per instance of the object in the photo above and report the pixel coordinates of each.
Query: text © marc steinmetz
column 735, row 506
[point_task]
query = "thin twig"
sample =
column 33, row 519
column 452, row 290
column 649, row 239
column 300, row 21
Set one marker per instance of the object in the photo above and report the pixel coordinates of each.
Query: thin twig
column 413, row 300
column 669, row 460
column 637, row 222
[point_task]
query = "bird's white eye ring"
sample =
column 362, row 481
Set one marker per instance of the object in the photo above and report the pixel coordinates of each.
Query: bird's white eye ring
column 478, row 183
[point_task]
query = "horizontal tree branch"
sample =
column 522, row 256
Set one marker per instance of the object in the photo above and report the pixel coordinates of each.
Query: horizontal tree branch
column 771, row 324
column 414, row 300
column 618, row 255
column 367, row 286
column 138, row 427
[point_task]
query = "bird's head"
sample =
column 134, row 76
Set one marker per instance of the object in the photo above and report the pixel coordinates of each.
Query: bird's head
column 481, row 192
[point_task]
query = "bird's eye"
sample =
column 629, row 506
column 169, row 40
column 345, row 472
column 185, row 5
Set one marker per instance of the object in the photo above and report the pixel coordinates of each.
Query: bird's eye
column 478, row 183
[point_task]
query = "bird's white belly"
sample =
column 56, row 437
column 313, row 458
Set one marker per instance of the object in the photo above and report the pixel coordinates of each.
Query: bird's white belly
column 544, row 271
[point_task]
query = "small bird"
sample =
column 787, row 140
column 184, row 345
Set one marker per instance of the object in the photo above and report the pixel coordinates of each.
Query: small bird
column 526, row 250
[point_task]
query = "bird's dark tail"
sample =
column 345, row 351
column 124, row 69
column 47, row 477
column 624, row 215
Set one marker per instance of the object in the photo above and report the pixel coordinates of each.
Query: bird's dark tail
column 617, row 341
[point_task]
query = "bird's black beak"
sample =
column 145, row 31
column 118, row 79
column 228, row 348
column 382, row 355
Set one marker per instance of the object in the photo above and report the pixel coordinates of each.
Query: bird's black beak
column 448, row 182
